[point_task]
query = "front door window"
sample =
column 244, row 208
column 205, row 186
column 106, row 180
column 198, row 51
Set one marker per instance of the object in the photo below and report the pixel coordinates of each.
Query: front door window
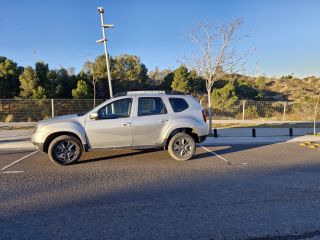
column 117, row 109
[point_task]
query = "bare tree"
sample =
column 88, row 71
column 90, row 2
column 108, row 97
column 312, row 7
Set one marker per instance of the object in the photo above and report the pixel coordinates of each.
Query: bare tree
column 89, row 67
column 217, row 54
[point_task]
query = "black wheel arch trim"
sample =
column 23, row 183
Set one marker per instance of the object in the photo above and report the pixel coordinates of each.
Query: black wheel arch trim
column 52, row 136
column 187, row 130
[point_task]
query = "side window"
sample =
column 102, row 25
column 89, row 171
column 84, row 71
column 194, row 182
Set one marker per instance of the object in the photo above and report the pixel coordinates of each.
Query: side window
column 116, row 109
column 151, row 106
column 178, row 104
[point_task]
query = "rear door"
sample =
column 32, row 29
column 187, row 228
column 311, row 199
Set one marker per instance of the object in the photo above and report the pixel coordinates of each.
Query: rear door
column 150, row 122
column 113, row 128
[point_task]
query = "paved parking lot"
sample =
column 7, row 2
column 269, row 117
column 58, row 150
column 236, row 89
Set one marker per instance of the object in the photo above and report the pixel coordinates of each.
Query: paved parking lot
column 227, row 192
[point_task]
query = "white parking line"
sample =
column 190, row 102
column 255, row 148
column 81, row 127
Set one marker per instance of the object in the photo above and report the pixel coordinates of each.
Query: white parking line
column 224, row 159
column 19, row 160
column 12, row 172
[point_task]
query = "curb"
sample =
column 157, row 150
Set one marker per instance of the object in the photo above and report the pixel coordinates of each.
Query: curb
column 260, row 140
column 15, row 145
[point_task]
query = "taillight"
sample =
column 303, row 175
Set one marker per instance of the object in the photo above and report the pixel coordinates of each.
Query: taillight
column 204, row 116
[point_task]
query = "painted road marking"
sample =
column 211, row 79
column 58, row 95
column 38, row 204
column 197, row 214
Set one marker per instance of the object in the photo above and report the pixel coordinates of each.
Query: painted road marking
column 19, row 160
column 310, row 145
column 313, row 146
column 224, row 159
column 305, row 144
column 12, row 172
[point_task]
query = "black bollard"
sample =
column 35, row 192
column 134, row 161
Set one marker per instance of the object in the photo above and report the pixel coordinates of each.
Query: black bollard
column 215, row 133
column 290, row 132
column 253, row 132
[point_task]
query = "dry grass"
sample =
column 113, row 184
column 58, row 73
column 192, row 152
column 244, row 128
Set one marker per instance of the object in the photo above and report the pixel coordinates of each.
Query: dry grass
column 9, row 118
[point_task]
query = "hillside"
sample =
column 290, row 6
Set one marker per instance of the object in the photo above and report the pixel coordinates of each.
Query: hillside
column 286, row 88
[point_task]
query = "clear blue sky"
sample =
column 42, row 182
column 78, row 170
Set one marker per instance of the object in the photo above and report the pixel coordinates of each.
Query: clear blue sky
column 286, row 33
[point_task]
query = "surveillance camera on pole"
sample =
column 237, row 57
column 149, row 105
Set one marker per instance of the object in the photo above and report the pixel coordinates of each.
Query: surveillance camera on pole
column 100, row 41
column 104, row 41
column 108, row 25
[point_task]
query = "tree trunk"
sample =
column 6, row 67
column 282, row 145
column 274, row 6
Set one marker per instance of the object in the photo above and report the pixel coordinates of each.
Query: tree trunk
column 210, row 111
column 94, row 95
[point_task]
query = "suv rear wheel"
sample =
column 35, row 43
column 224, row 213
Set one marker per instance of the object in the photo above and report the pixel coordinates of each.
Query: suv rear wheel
column 182, row 147
column 65, row 150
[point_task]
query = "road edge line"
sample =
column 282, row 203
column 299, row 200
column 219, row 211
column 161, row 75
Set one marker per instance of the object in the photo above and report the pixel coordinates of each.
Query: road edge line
column 215, row 154
column 19, row 160
column 219, row 156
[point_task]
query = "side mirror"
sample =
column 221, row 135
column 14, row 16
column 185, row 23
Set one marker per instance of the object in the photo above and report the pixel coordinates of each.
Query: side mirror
column 94, row 116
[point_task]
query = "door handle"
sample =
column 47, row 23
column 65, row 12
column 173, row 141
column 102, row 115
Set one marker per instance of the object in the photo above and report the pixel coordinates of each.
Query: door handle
column 125, row 124
column 164, row 120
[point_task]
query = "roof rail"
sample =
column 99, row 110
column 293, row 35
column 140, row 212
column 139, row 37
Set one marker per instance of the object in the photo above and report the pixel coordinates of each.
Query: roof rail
column 174, row 93
column 121, row 94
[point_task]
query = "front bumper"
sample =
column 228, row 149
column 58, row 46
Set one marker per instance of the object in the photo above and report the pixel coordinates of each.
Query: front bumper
column 38, row 138
column 39, row 146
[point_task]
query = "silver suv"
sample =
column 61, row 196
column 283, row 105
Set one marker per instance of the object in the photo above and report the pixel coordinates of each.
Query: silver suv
column 140, row 119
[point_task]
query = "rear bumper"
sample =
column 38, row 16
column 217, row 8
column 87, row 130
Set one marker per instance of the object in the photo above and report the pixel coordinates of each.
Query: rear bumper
column 202, row 132
column 202, row 138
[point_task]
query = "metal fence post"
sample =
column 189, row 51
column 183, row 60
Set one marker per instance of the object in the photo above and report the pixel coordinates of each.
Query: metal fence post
column 52, row 108
column 315, row 115
column 243, row 109
column 284, row 111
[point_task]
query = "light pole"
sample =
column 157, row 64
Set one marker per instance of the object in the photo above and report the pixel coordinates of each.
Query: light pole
column 104, row 41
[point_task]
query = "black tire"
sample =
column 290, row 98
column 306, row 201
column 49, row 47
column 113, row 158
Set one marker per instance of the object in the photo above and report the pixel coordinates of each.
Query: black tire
column 65, row 150
column 182, row 147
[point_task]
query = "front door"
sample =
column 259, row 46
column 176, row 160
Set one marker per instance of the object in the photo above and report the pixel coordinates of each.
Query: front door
column 113, row 127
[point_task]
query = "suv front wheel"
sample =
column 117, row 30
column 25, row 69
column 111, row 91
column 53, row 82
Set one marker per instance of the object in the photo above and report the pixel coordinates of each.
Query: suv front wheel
column 65, row 150
column 182, row 147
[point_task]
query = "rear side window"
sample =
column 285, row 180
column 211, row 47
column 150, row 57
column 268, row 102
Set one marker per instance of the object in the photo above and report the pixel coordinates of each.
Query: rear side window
column 178, row 104
column 151, row 106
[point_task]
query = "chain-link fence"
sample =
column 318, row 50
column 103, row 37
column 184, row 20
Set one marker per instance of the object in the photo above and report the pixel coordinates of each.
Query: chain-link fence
column 266, row 110
column 30, row 110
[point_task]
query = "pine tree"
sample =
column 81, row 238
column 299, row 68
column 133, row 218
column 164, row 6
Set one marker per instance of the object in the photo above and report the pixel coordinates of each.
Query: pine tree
column 29, row 81
column 82, row 90
column 181, row 80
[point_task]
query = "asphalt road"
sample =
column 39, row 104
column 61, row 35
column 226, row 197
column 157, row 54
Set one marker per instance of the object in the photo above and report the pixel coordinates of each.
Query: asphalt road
column 243, row 192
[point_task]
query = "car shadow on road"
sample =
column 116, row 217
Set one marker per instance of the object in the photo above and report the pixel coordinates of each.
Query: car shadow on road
column 126, row 154
column 238, row 148
column 222, row 149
